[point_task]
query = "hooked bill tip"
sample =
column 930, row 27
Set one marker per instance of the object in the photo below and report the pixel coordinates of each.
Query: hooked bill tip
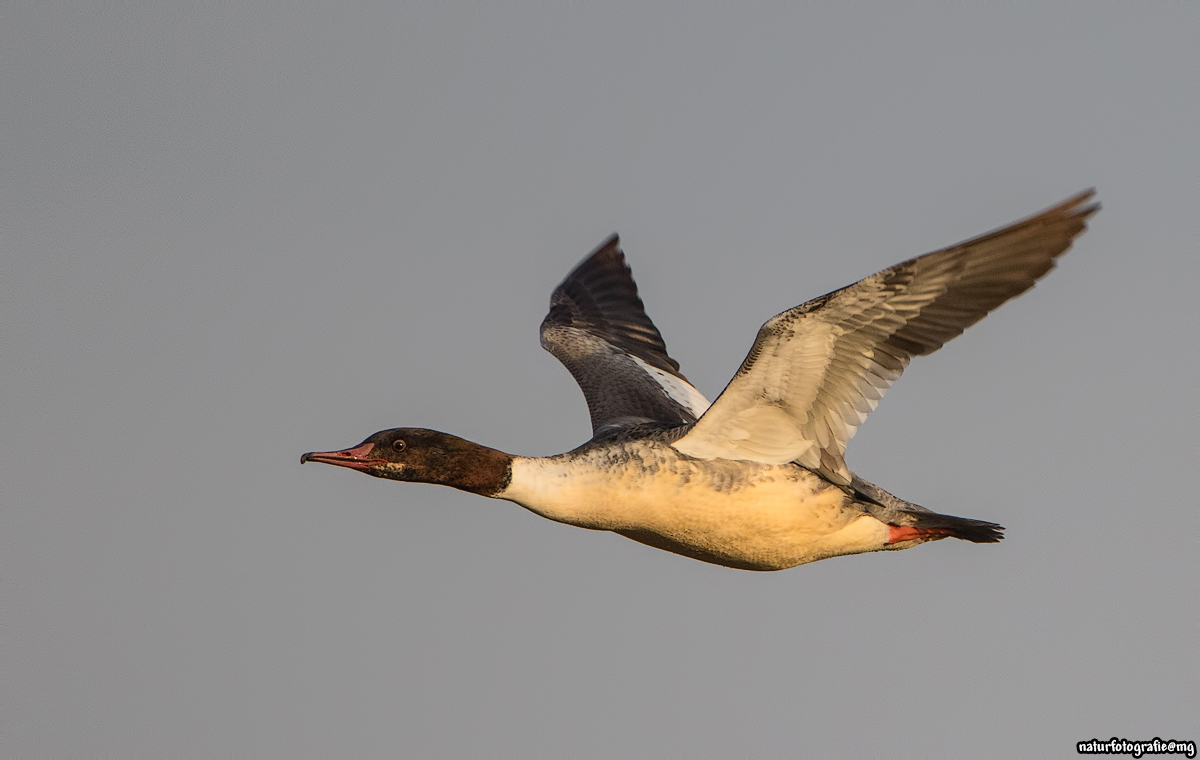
column 305, row 457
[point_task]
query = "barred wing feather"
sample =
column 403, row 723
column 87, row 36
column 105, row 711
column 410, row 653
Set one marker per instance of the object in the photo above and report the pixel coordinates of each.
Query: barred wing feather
column 816, row 371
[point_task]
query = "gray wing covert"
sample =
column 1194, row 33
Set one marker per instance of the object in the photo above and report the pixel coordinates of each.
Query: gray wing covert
column 598, row 328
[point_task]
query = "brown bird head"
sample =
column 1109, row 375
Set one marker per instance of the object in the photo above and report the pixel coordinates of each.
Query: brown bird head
column 419, row 455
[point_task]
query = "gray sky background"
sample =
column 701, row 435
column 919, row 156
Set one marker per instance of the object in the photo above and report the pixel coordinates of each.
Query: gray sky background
column 231, row 236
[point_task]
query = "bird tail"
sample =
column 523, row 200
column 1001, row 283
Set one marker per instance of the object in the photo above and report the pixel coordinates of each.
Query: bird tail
column 916, row 522
column 942, row 526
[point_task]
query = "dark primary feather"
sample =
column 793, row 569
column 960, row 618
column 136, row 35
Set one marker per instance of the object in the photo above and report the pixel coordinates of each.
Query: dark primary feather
column 600, row 296
column 596, row 324
column 958, row 286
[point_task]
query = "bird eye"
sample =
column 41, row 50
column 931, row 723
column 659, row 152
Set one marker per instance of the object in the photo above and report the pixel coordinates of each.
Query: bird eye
column 399, row 445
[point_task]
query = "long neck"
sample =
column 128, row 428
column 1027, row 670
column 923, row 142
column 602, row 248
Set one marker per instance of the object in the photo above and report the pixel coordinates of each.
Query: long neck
column 471, row 467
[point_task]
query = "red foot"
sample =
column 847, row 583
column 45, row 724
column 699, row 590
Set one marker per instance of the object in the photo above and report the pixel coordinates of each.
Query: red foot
column 898, row 533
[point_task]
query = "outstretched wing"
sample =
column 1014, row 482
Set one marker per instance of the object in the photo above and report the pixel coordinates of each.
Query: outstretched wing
column 816, row 371
column 598, row 328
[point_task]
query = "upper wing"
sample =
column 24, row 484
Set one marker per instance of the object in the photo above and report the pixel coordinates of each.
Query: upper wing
column 816, row 371
column 598, row 328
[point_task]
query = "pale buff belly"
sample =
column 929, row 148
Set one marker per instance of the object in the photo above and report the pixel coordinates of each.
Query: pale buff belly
column 753, row 517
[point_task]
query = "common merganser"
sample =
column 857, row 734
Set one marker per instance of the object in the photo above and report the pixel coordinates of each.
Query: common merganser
column 756, row 480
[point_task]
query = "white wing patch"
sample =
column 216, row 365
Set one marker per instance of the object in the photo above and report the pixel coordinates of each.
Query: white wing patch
column 766, row 434
column 815, row 372
column 680, row 391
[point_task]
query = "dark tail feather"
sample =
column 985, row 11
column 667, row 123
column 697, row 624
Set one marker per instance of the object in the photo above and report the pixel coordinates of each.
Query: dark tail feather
column 896, row 511
column 975, row 531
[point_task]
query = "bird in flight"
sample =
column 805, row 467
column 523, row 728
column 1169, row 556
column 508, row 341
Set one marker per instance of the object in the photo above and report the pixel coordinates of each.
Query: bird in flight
column 757, row 479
